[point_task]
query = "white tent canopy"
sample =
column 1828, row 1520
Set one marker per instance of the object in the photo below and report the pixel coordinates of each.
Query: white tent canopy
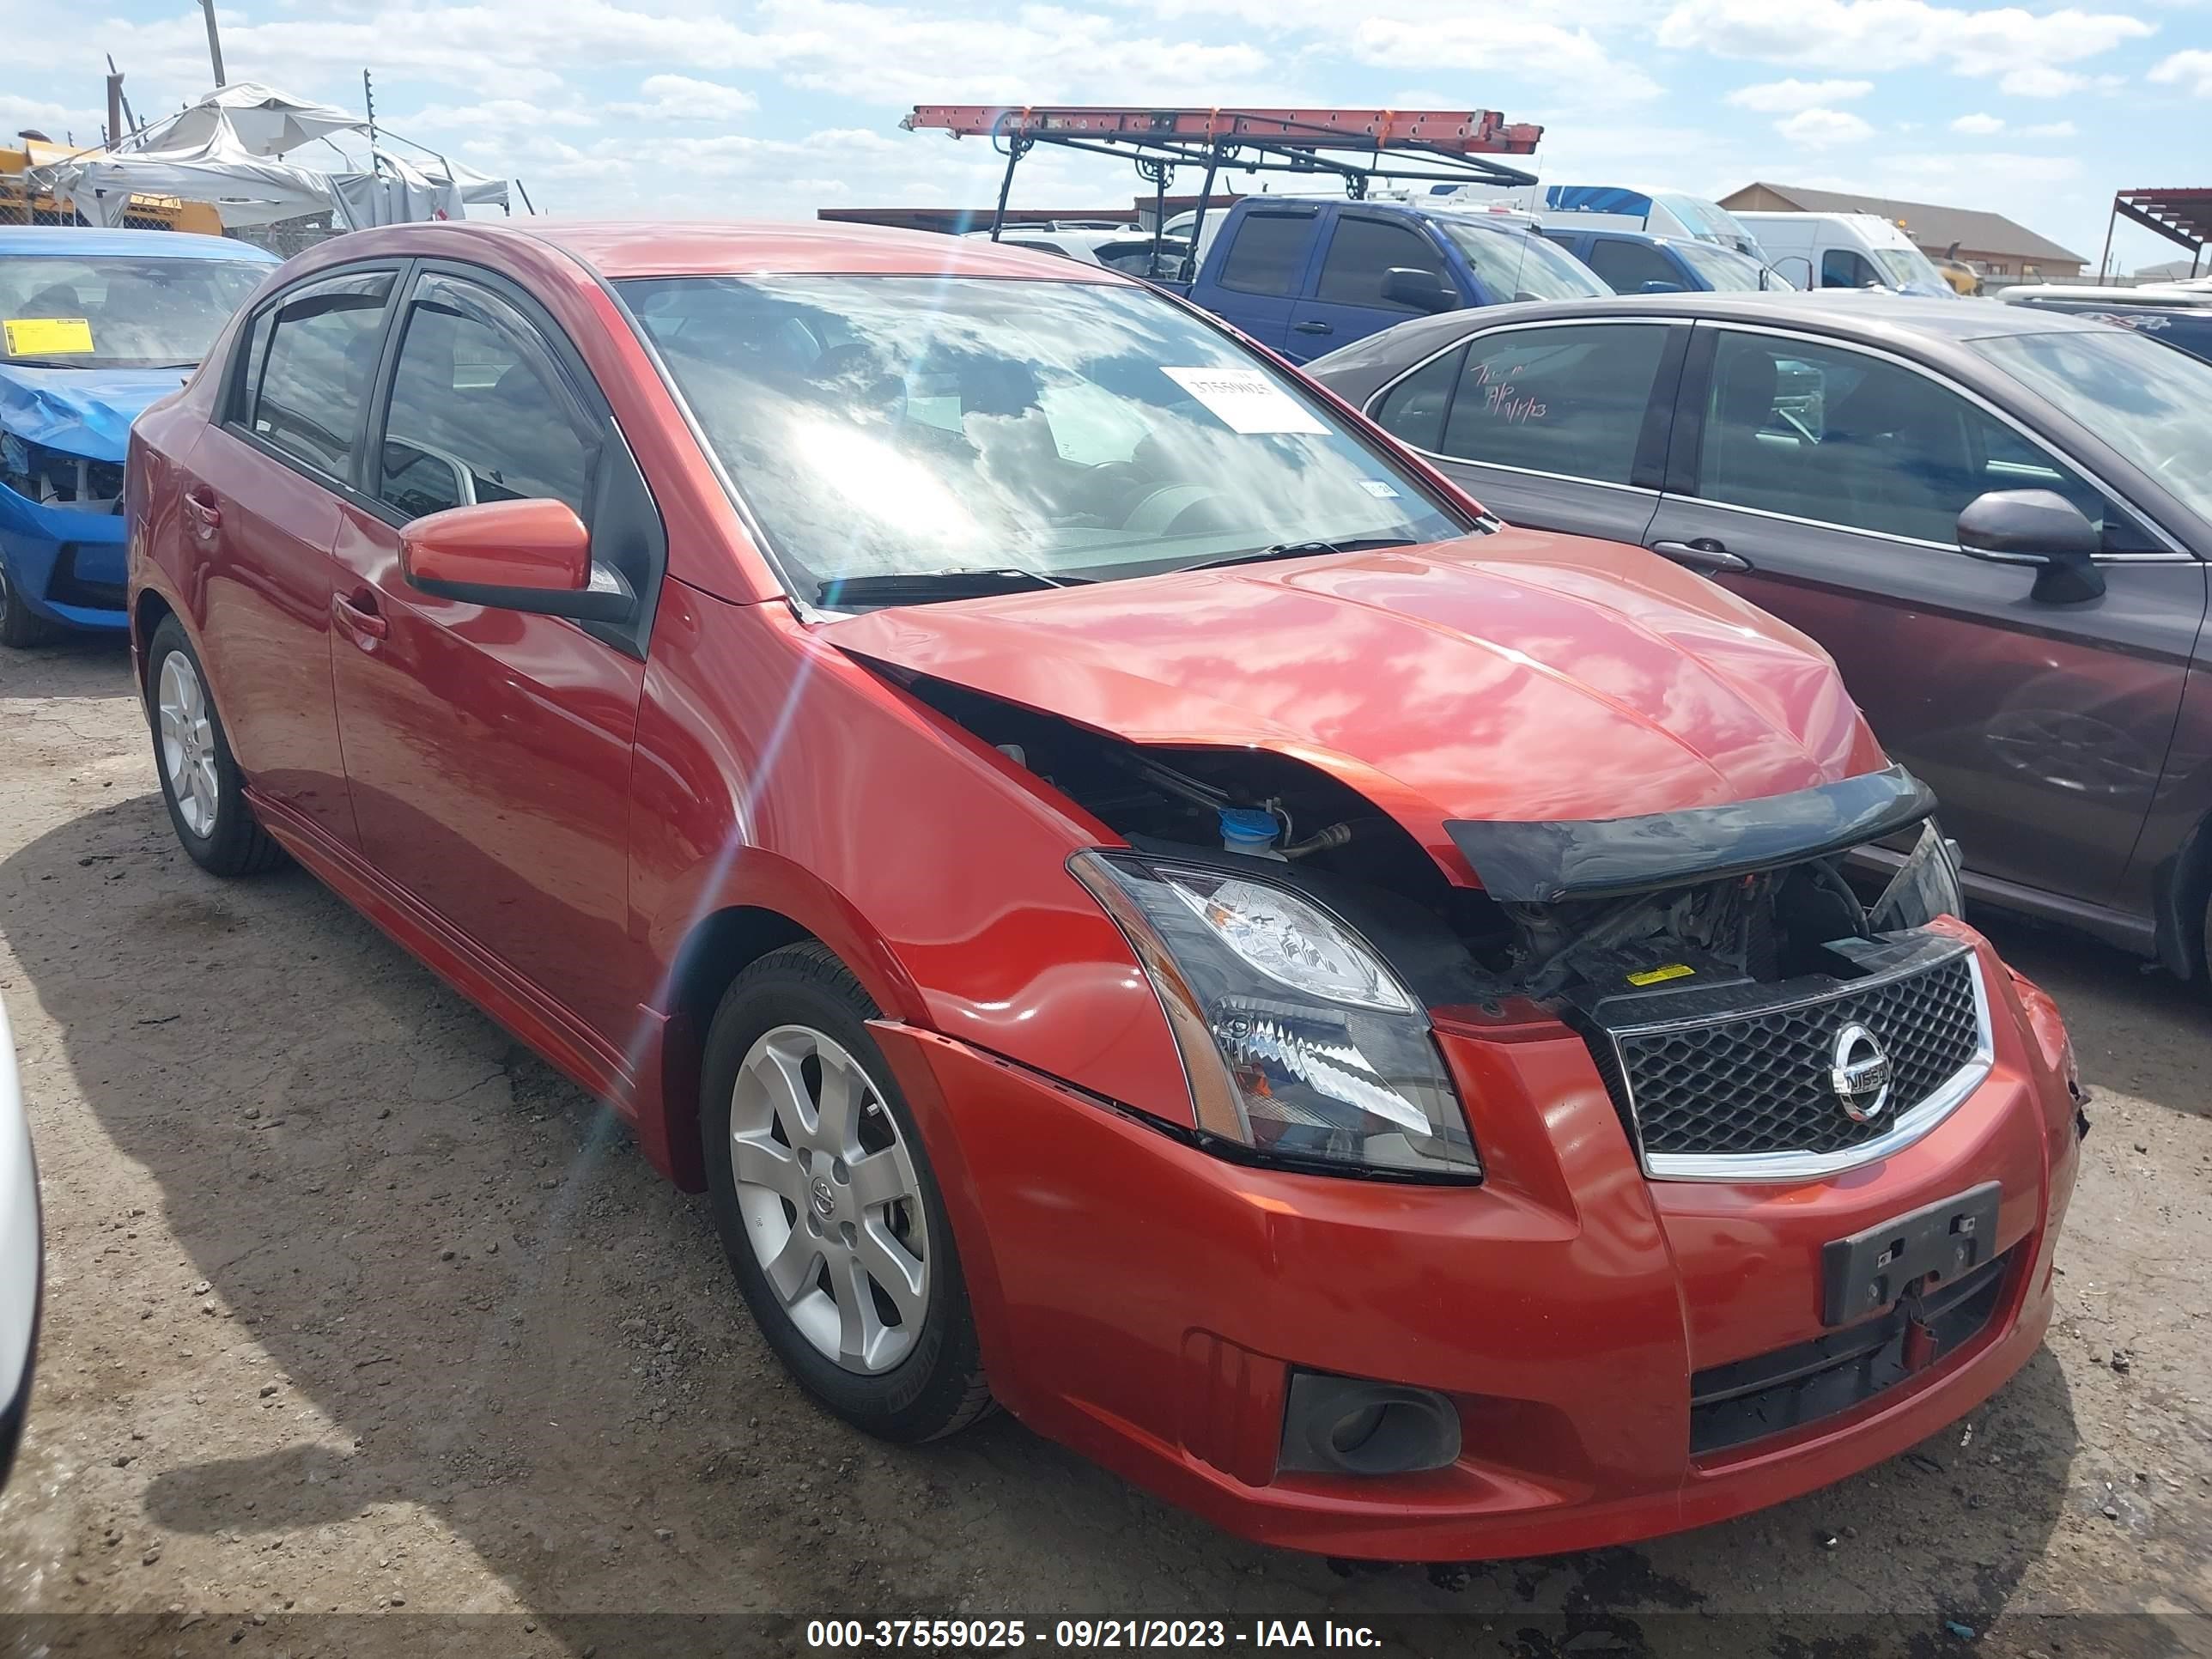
column 257, row 119
column 229, row 149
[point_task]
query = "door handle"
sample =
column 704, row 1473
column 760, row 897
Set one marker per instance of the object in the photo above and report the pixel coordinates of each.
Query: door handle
column 1315, row 327
column 1705, row 556
column 200, row 502
column 357, row 616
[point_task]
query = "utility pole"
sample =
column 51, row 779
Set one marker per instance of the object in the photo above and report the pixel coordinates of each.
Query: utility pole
column 214, row 40
column 130, row 119
column 369, row 102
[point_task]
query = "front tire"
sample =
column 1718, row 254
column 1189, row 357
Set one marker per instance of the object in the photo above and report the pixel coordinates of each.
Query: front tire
column 201, row 784
column 827, row 1208
column 18, row 627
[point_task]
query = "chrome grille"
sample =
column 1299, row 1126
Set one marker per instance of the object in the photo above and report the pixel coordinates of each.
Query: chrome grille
column 1748, row 1090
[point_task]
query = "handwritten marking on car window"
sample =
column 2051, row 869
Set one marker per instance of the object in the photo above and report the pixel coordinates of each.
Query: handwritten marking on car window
column 1499, row 399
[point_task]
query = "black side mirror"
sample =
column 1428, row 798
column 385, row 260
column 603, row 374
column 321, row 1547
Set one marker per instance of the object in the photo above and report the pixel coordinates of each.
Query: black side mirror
column 1424, row 290
column 2040, row 528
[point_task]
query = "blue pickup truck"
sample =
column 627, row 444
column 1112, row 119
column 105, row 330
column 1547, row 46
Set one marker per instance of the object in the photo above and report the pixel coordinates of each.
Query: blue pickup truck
column 1304, row 276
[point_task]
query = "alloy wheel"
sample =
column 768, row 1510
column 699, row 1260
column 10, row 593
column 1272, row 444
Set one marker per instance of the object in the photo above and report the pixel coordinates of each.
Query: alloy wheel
column 187, row 742
column 832, row 1207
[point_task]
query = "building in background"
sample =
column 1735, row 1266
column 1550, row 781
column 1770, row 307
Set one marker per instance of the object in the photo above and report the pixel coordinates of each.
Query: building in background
column 1990, row 242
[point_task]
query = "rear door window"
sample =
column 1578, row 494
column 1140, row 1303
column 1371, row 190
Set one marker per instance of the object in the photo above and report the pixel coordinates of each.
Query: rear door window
column 1269, row 253
column 1362, row 250
column 309, row 365
column 479, row 410
column 1569, row 400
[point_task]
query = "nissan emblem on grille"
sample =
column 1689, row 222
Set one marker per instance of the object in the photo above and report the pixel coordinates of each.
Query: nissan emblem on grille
column 1725, row 1076
column 1860, row 1075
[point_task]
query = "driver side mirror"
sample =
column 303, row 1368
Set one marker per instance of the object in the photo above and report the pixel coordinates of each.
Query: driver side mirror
column 1423, row 290
column 1657, row 286
column 2037, row 528
column 533, row 556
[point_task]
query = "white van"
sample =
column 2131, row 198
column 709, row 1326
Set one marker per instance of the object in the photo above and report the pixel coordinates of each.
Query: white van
column 1845, row 250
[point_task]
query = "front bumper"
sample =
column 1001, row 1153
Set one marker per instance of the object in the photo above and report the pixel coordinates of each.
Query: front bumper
column 1146, row 1304
column 65, row 564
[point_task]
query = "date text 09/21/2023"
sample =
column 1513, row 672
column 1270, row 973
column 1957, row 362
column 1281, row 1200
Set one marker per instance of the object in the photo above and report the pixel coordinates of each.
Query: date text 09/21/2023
column 832, row 1634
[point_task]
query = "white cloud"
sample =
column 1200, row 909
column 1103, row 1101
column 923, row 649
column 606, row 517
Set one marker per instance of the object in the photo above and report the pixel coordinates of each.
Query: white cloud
column 2040, row 80
column 1987, row 126
column 57, row 121
column 2191, row 71
column 680, row 98
column 1819, row 129
column 1777, row 97
column 1851, row 33
column 1523, row 47
column 888, row 54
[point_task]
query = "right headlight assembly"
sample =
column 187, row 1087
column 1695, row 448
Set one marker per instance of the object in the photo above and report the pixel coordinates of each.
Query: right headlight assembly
column 1300, row 1045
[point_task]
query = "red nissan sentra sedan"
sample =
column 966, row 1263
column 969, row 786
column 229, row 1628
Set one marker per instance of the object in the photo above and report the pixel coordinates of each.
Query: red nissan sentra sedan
column 1137, row 900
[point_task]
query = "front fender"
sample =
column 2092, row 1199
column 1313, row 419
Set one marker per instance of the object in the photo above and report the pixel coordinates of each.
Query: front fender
column 773, row 771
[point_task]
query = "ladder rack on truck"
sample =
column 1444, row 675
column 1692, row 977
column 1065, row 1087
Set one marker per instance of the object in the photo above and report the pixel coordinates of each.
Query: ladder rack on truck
column 1358, row 145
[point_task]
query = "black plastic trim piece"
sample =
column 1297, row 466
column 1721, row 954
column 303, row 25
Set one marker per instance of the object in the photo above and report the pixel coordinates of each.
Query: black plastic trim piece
column 1548, row 863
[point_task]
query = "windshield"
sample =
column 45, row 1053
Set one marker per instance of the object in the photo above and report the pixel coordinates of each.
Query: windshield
column 888, row 425
column 138, row 312
column 1521, row 264
column 1904, row 265
column 1725, row 270
column 2152, row 405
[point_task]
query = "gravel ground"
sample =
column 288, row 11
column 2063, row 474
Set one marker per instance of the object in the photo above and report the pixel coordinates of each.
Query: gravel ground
column 353, row 1308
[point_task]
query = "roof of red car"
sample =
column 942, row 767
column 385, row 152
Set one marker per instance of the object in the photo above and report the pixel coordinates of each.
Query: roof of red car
column 663, row 249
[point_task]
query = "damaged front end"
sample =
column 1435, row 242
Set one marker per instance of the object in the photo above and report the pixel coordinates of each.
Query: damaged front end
column 48, row 477
column 1759, row 1006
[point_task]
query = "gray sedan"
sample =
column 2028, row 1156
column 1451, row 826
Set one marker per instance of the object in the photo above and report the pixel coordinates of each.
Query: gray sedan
column 1995, row 518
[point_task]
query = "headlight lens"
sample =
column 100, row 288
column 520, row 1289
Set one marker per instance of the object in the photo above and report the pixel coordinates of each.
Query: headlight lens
column 1925, row 886
column 1300, row 1043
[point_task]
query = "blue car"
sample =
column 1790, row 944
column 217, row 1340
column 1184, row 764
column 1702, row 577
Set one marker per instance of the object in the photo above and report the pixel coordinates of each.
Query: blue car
column 94, row 325
column 1638, row 262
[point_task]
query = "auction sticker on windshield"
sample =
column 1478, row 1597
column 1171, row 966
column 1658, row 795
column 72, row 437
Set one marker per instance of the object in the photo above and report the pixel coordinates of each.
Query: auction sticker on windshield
column 47, row 336
column 1245, row 399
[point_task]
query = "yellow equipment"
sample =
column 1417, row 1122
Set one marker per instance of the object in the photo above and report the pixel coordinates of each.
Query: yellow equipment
column 19, row 205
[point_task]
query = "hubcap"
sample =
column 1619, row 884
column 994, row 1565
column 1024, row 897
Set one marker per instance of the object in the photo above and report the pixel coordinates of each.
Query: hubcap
column 830, row 1203
column 187, row 742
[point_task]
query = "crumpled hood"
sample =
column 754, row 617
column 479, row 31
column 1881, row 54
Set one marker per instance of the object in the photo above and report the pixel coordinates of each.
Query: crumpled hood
column 82, row 412
column 1519, row 676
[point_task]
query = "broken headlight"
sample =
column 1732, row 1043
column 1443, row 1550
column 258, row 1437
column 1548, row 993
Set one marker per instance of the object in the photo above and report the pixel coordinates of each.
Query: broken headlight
column 1300, row 1043
column 1925, row 886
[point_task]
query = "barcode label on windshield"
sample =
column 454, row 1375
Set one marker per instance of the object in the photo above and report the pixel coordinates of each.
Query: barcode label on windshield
column 1245, row 399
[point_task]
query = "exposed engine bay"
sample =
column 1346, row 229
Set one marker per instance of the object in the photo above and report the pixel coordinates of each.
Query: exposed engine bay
column 50, row 477
column 1662, row 909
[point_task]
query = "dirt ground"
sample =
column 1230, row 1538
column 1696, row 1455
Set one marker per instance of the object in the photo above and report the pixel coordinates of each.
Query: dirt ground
column 354, row 1308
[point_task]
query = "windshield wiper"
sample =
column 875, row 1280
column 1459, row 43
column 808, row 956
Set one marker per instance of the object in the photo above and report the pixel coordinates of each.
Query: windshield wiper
column 921, row 586
column 1301, row 550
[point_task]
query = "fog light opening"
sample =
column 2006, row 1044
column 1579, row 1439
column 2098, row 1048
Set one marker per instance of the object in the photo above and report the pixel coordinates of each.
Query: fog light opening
column 1347, row 1425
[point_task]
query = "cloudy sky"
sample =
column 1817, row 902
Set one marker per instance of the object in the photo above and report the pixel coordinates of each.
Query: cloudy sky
column 771, row 108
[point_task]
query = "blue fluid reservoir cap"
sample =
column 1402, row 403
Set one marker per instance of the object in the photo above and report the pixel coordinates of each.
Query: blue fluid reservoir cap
column 1248, row 829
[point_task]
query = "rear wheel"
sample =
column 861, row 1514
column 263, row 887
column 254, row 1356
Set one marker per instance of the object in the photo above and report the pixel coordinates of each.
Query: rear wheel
column 201, row 783
column 827, row 1208
column 18, row 627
